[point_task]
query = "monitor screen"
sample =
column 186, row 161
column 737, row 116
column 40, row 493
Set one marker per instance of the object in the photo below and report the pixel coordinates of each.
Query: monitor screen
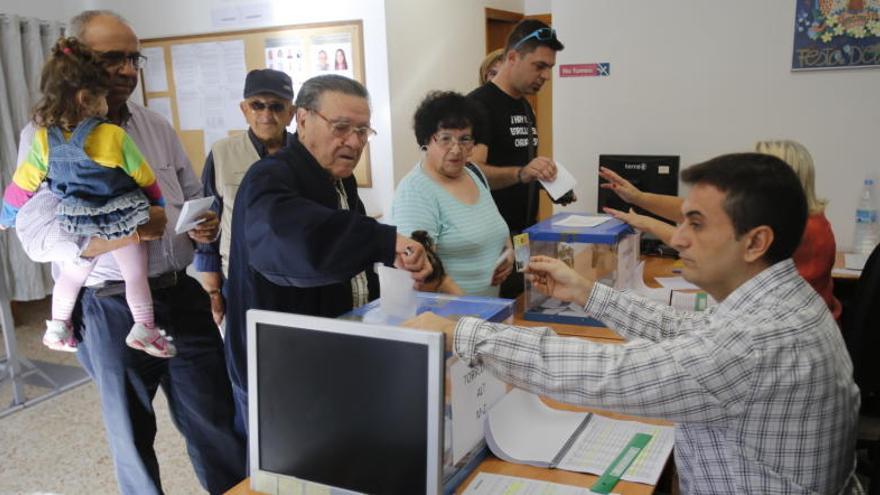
column 650, row 173
column 345, row 404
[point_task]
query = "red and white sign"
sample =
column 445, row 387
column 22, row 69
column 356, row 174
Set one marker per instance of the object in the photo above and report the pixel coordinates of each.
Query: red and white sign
column 585, row 70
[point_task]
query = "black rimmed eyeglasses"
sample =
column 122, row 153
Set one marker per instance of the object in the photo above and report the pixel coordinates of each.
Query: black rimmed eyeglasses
column 540, row 34
column 114, row 59
column 343, row 129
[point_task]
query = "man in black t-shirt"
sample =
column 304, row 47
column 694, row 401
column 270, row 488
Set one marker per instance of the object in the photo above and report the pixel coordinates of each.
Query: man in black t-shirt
column 507, row 151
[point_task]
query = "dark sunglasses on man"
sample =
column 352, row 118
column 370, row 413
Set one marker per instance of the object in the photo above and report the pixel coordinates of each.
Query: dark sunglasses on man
column 274, row 107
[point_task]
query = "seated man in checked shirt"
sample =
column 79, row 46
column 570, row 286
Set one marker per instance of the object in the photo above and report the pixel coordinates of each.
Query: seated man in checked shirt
column 760, row 386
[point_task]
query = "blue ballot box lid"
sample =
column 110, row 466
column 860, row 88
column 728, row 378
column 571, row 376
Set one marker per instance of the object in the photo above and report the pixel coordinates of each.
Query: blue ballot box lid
column 453, row 307
column 608, row 232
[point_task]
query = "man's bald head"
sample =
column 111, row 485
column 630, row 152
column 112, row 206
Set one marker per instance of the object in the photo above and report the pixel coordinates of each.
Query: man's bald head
column 108, row 34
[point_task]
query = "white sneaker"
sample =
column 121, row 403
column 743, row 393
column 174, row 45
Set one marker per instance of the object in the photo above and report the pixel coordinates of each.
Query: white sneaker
column 59, row 336
column 151, row 340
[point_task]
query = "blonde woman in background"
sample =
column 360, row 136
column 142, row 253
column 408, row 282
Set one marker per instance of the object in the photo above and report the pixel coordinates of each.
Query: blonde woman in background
column 815, row 254
column 490, row 65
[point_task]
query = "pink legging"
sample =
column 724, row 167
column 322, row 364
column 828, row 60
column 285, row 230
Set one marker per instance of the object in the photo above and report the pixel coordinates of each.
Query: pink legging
column 132, row 261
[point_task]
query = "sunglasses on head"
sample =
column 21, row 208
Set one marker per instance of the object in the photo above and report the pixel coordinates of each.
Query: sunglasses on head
column 540, row 34
column 274, row 107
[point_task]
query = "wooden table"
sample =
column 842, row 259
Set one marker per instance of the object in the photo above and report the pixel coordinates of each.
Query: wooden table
column 654, row 267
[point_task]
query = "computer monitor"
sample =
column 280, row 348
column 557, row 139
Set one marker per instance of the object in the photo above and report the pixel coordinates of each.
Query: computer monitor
column 650, row 173
column 351, row 406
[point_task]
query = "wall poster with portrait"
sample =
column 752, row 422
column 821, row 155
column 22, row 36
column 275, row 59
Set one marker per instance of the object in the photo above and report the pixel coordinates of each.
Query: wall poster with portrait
column 184, row 90
column 836, row 34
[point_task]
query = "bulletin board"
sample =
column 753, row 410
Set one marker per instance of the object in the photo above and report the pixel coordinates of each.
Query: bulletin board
column 196, row 81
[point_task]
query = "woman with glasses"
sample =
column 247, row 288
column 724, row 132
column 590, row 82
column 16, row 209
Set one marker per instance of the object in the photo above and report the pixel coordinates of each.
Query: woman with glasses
column 449, row 198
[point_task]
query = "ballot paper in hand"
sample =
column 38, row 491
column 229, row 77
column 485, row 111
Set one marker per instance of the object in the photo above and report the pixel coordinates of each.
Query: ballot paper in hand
column 563, row 183
column 190, row 213
column 397, row 297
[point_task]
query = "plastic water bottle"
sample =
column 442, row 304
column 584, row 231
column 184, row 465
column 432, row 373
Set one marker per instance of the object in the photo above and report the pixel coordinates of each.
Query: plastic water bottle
column 867, row 230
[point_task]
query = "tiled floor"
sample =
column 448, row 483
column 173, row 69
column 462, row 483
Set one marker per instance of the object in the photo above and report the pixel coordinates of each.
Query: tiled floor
column 58, row 446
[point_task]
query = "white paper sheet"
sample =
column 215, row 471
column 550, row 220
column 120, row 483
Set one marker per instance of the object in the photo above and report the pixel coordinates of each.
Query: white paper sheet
column 209, row 79
column 522, row 429
column 605, row 438
column 189, row 110
column 397, row 297
column 563, row 183
column 162, row 106
column 637, row 285
column 846, row 272
column 474, row 391
column 155, row 75
column 854, row 261
column 499, row 484
column 582, row 221
column 189, row 214
column 676, row 283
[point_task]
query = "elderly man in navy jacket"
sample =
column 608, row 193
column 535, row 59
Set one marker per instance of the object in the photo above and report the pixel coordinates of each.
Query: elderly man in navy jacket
column 301, row 241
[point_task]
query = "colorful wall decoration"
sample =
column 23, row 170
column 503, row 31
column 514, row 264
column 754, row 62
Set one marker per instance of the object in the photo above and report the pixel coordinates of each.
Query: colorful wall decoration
column 836, row 34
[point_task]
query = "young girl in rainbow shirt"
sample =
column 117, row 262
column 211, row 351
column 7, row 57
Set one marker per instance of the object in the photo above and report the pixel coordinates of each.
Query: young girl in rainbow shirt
column 105, row 186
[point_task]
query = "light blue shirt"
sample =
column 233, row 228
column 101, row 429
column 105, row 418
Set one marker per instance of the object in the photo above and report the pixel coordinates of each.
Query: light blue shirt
column 469, row 238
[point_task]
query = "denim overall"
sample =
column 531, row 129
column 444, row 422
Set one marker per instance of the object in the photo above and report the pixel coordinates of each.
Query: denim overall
column 95, row 200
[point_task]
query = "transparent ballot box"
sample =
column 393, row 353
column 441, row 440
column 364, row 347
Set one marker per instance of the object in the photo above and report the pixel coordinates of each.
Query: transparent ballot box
column 469, row 391
column 599, row 247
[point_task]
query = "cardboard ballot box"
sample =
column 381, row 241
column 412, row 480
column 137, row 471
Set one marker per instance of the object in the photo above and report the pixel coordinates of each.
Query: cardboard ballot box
column 598, row 247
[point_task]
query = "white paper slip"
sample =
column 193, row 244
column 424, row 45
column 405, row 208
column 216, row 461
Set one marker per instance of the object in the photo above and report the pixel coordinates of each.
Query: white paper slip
column 504, row 254
column 499, row 484
column 397, row 297
column 854, row 261
column 474, row 391
column 563, row 183
column 582, row 221
column 675, row 283
column 190, row 213
column 846, row 272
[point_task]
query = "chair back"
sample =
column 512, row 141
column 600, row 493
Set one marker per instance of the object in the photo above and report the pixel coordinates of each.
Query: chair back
column 861, row 328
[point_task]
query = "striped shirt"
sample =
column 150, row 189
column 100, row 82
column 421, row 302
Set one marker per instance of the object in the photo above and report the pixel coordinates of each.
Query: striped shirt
column 360, row 291
column 469, row 238
column 760, row 386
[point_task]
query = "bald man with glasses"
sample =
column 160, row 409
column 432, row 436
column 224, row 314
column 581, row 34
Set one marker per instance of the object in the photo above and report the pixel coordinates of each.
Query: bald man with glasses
column 268, row 109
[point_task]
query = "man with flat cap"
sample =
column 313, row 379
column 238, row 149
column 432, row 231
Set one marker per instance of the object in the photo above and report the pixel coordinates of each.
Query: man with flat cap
column 268, row 109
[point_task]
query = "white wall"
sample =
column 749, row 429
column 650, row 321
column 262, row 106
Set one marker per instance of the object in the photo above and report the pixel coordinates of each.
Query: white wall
column 50, row 10
column 432, row 44
column 699, row 79
column 154, row 19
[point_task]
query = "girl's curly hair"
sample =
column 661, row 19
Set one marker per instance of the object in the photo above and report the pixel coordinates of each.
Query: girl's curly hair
column 71, row 67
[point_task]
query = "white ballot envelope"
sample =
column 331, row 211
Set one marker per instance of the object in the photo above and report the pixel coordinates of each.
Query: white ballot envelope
column 563, row 183
column 190, row 213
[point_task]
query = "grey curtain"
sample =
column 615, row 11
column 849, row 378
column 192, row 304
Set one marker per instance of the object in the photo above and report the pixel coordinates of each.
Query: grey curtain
column 24, row 45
